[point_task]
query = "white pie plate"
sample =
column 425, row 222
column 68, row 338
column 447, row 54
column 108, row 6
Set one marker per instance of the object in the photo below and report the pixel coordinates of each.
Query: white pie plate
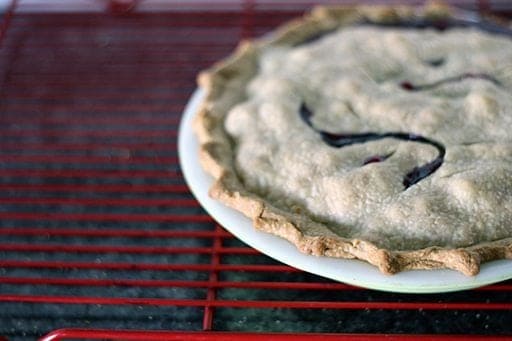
column 348, row 271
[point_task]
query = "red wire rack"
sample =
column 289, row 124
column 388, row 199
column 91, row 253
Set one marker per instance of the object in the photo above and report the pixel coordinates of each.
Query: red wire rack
column 100, row 237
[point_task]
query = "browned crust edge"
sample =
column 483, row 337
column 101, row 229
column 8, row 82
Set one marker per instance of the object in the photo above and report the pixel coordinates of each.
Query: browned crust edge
column 223, row 84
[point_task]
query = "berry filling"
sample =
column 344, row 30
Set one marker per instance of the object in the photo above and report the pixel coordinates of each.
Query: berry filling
column 406, row 85
column 339, row 140
column 435, row 62
column 440, row 24
column 376, row 158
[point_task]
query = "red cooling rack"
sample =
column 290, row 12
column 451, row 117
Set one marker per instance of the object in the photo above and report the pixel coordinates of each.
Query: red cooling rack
column 99, row 235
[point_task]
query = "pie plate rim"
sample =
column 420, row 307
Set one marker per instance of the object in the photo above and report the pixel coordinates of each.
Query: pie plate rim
column 350, row 271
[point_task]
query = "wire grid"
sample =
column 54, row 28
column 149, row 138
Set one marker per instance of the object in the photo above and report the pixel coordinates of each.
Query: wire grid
column 100, row 237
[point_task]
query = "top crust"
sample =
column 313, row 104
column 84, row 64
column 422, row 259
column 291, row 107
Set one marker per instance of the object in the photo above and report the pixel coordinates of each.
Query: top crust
column 226, row 83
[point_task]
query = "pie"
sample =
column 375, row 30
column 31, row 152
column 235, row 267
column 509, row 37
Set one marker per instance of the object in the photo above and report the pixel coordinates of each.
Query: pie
column 372, row 133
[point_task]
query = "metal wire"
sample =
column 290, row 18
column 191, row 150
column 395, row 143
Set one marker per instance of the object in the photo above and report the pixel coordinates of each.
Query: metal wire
column 97, row 225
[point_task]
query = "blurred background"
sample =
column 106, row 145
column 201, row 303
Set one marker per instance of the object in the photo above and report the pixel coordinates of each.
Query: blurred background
column 98, row 229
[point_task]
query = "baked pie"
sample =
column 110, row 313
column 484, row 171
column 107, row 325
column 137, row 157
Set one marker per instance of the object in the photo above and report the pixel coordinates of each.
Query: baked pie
column 380, row 134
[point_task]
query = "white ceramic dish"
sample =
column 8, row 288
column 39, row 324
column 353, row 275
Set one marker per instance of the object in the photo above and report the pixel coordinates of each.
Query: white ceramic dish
column 349, row 271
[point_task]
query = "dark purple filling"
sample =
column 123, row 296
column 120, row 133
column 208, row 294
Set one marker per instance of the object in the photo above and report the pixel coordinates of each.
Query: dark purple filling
column 376, row 158
column 406, row 85
column 435, row 62
column 440, row 24
column 339, row 140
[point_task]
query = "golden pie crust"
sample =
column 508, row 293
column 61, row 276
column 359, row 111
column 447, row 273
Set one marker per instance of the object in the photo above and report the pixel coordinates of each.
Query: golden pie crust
column 225, row 86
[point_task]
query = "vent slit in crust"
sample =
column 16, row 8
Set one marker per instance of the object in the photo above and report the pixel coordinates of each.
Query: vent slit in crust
column 339, row 140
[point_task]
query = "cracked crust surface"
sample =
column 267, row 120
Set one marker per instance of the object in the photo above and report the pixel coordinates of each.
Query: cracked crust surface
column 227, row 85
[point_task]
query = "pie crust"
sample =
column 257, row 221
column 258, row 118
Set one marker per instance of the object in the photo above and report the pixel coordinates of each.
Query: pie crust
column 226, row 85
